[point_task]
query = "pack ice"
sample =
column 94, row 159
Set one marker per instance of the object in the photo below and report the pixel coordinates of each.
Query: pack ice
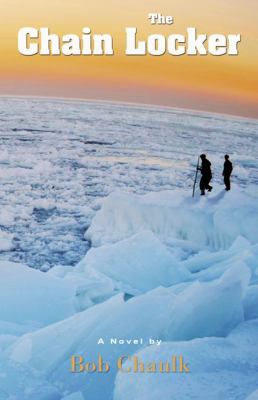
column 161, row 266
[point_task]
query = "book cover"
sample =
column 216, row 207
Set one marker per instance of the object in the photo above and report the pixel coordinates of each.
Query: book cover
column 128, row 189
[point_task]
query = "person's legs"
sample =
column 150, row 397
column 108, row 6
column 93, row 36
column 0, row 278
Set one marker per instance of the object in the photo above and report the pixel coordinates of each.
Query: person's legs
column 202, row 185
column 227, row 182
column 208, row 186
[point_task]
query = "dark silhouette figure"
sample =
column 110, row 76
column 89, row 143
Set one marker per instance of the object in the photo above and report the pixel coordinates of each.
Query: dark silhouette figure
column 205, row 169
column 228, row 168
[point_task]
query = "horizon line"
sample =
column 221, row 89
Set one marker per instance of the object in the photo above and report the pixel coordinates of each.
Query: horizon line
column 134, row 104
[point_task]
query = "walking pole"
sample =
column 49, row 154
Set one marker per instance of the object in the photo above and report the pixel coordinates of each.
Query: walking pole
column 196, row 173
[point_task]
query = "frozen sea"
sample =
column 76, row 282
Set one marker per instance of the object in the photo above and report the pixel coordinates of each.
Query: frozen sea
column 59, row 157
column 98, row 195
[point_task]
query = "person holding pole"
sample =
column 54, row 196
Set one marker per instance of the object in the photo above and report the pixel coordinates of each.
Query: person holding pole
column 205, row 169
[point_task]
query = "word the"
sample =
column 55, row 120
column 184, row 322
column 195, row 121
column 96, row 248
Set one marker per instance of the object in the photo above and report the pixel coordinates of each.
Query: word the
column 157, row 18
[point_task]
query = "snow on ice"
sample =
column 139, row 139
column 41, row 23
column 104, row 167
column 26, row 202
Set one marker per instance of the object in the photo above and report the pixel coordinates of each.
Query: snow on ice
column 59, row 158
column 196, row 312
column 161, row 264
column 222, row 368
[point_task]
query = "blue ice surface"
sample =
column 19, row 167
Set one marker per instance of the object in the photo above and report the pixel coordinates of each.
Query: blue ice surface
column 58, row 158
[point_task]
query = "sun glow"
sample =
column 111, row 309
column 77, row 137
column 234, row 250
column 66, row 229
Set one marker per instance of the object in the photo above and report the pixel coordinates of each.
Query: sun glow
column 225, row 84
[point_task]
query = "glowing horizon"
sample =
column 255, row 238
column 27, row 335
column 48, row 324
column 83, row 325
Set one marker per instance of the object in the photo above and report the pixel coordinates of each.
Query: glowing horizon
column 217, row 84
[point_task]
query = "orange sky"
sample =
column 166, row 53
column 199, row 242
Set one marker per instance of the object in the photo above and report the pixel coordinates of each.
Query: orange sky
column 222, row 84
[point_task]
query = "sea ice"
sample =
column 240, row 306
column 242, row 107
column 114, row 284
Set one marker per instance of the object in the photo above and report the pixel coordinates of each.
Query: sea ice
column 173, row 215
column 27, row 295
column 253, row 395
column 74, row 396
column 141, row 262
column 161, row 264
column 218, row 369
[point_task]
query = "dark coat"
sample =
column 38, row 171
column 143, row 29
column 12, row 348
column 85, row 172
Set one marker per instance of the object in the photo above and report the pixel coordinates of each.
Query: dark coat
column 228, row 168
column 206, row 168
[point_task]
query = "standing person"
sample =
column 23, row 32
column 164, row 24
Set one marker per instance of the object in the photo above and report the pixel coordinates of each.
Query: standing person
column 205, row 169
column 228, row 168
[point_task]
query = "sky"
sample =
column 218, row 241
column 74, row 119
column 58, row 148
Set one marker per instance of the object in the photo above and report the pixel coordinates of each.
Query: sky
column 225, row 84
